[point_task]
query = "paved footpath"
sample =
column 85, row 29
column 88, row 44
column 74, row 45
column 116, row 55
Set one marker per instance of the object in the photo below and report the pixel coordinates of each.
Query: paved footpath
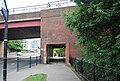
column 55, row 72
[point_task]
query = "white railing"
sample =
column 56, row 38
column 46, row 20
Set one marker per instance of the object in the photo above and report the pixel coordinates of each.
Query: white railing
column 36, row 8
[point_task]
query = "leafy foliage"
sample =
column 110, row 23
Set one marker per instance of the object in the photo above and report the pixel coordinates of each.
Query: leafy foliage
column 59, row 52
column 15, row 45
column 98, row 28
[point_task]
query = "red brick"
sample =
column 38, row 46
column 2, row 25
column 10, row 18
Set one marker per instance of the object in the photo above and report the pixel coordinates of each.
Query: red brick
column 53, row 30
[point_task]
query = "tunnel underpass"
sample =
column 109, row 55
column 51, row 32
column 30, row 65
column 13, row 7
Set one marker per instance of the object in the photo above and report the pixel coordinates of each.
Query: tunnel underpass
column 56, row 53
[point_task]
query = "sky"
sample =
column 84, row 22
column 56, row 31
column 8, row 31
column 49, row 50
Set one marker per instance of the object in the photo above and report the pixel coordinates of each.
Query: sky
column 23, row 3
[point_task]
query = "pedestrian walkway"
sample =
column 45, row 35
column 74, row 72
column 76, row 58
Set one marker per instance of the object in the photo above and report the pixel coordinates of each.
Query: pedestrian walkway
column 55, row 72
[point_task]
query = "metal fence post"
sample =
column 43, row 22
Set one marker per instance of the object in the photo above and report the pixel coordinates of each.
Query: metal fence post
column 17, row 63
column 35, row 9
column 118, row 76
column 70, row 60
column 94, row 77
column 81, row 67
column 13, row 11
column 40, row 60
column 36, row 60
column 30, row 62
column 75, row 64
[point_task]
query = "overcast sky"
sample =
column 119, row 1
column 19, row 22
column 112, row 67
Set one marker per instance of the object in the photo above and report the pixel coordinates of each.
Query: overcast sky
column 22, row 3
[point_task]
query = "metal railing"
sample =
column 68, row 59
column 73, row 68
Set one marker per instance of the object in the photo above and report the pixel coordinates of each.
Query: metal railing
column 27, row 61
column 35, row 8
column 92, row 72
column 19, row 63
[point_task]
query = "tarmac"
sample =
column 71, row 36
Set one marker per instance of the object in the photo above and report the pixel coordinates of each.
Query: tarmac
column 55, row 72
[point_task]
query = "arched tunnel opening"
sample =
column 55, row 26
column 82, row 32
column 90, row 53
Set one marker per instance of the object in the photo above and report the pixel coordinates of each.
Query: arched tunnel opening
column 56, row 53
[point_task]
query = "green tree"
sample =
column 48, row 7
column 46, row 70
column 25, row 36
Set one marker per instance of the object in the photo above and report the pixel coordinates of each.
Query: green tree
column 15, row 45
column 97, row 23
column 60, row 52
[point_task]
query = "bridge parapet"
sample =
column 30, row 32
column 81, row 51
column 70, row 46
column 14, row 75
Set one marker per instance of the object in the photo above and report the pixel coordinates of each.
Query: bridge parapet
column 34, row 12
column 22, row 17
column 36, row 8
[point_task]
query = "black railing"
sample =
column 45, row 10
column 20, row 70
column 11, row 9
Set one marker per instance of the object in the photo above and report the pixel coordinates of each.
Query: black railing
column 92, row 72
column 27, row 61
column 19, row 63
column 35, row 8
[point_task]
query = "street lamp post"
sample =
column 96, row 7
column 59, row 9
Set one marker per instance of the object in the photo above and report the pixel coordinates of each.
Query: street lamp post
column 5, row 13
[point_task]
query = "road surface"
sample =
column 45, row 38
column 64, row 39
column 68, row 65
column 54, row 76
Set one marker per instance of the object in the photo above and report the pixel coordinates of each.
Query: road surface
column 23, row 63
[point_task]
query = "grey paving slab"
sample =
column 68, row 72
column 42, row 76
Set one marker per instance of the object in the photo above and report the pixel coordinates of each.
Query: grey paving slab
column 55, row 72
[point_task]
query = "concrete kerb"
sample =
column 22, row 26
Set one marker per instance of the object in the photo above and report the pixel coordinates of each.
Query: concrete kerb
column 71, row 69
column 77, row 74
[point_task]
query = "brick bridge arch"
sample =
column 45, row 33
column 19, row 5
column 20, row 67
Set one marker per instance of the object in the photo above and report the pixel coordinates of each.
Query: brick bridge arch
column 47, row 25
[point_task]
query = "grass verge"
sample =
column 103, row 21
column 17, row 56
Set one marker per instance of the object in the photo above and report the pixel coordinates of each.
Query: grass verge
column 36, row 77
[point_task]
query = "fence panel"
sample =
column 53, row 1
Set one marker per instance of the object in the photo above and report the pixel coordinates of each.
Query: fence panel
column 11, row 64
column 23, row 62
column 88, row 71
column 103, row 74
column 91, row 72
column 27, row 62
column 19, row 63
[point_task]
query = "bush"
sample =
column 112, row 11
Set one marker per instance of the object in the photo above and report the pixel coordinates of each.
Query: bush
column 97, row 25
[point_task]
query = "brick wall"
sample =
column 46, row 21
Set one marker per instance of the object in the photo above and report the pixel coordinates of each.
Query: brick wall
column 53, row 30
column 22, row 16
